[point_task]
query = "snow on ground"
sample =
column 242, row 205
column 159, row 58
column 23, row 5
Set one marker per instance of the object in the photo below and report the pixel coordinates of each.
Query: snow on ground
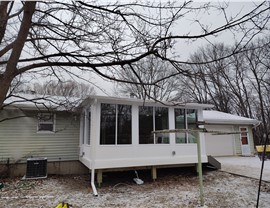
column 247, row 166
column 177, row 187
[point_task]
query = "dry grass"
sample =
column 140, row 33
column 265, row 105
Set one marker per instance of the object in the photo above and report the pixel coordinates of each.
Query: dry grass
column 174, row 188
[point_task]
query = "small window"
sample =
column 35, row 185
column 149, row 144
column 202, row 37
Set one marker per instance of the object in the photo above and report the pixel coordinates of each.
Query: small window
column 46, row 122
column 244, row 135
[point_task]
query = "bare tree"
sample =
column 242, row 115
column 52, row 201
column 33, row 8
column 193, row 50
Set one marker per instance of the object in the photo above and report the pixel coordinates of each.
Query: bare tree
column 148, row 70
column 208, row 85
column 53, row 38
column 238, row 84
column 68, row 88
column 258, row 65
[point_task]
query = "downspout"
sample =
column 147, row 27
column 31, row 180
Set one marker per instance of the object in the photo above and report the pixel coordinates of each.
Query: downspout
column 93, row 143
column 93, row 182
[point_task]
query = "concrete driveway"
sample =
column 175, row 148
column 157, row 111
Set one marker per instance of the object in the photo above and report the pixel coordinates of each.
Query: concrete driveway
column 246, row 166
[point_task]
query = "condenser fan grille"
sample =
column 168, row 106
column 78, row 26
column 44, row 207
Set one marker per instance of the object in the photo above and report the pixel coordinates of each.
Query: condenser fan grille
column 36, row 168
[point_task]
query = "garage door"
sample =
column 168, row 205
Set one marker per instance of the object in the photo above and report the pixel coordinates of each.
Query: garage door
column 219, row 145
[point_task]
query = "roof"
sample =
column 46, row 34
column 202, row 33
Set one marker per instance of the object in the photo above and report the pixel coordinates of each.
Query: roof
column 217, row 117
column 41, row 102
column 145, row 102
column 61, row 103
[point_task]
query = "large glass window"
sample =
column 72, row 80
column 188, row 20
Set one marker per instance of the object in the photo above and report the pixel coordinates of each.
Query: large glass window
column 108, row 124
column 151, row 119
column 185, row 119
column 180, row 123
column 115, row 124
column 191, row 116
column 124, row 124
column 146, row 125
column 161, row 122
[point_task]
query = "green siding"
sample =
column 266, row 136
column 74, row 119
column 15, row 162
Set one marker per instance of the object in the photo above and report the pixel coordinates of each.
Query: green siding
column 20, row 140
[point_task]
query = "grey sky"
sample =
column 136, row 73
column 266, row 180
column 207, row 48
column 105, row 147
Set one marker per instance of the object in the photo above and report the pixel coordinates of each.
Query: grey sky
column 213, row 18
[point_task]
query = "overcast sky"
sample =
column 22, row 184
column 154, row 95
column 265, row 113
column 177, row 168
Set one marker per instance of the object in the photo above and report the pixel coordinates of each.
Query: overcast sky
column 213, row 18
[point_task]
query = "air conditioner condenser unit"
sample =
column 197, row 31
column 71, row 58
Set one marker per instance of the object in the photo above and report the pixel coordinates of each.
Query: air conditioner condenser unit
column 36, row 168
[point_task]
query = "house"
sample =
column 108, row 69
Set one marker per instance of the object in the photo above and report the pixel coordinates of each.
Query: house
column 229, row 144
column 105, row 133
column 34, row 127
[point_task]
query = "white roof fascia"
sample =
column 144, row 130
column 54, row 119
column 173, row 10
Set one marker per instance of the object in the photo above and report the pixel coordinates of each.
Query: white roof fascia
column 125, row 100
column 45, row 102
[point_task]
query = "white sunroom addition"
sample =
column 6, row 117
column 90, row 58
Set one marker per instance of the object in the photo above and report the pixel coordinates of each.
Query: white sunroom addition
column 117, row 133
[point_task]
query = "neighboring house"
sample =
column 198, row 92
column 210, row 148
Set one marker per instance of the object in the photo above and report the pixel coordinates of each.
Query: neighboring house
column 229, row 144
column 107, row 133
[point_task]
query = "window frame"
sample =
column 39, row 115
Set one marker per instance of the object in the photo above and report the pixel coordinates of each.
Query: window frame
column 244, row 134
column 40, row 122
column 153, row 114
column 116, row 121
column 186, row 124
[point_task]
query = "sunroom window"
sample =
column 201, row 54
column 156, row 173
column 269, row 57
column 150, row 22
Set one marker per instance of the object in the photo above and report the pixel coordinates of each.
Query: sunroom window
column 191, row 116
column 161, row 122
column 46, row 122
column 150, row 119
column 124, row 124
column 180, row 123
column 115, row 124
column 185, row 119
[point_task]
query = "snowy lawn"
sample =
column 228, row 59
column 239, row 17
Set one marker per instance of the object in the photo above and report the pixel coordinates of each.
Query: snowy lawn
column 176, row 187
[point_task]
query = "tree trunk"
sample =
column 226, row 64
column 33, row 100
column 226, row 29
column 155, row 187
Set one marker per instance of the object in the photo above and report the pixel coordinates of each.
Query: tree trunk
column 11, row 70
